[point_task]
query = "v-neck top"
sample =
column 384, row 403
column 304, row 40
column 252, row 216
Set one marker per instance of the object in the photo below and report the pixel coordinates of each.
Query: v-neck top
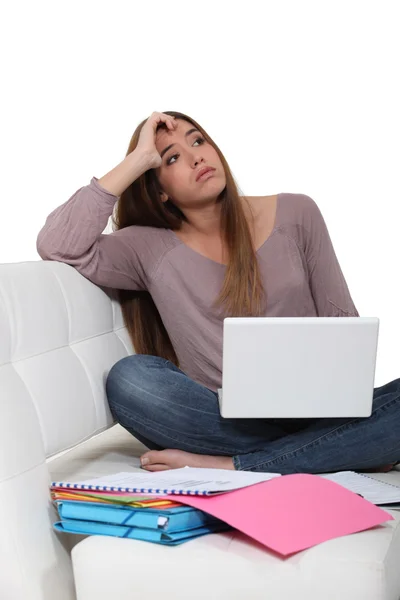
column 299, row 267
column 277, row 216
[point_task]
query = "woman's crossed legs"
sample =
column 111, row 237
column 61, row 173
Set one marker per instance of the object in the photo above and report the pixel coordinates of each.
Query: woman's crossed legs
column 179, row 420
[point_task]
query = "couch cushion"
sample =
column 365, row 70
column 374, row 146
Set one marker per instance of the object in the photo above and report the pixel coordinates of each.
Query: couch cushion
column 362, row 566
column 108, row 452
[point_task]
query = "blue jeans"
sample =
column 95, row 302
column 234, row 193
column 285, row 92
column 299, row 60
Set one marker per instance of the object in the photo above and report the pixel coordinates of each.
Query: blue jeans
column 163, row 408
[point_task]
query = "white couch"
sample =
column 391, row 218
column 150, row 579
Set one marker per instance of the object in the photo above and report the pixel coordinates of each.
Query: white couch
column 59, row 336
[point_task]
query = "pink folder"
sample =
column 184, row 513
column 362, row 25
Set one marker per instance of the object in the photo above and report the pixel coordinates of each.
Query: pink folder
column 292, row 512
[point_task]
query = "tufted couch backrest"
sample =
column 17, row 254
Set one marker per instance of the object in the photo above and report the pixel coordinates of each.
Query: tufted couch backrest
column 59, row 337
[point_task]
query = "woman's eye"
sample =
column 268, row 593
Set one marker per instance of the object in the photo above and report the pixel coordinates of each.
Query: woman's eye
column 199, row 139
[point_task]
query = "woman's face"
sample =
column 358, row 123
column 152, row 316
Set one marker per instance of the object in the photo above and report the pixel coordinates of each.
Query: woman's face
column 180, row 165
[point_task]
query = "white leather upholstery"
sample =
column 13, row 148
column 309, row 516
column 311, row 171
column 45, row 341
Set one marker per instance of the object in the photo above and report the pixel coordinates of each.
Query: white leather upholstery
column 225, row 566
column 229, row 566
column 59, row 336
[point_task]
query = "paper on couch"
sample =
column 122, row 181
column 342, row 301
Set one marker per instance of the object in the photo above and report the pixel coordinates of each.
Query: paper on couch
column 292, row 512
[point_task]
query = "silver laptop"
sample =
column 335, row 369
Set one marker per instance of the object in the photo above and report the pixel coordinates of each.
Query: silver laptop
column 298, row 367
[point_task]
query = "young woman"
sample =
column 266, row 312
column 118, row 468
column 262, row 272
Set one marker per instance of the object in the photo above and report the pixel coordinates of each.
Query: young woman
column 188, row 250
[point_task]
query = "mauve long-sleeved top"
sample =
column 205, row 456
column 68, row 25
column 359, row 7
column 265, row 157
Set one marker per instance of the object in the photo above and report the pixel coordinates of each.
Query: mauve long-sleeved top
column 300, row 270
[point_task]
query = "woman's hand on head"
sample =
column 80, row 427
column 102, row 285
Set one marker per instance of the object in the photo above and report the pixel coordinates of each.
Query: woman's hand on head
column 147, row 138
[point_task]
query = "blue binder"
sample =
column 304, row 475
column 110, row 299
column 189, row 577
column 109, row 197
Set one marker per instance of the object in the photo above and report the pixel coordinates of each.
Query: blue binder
column 157, row 536
column 171, row 520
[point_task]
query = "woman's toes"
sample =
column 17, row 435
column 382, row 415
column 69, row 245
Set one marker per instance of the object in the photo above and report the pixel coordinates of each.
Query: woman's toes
column 152, row 457
column 157, row 467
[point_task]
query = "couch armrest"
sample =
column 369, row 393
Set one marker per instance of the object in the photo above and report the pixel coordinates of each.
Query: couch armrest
column 35, row 560
column 59, row 336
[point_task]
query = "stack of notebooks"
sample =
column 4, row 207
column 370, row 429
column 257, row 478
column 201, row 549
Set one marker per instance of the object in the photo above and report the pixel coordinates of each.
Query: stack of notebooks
column 131, row 515
column 119, row 506
column 285, row 513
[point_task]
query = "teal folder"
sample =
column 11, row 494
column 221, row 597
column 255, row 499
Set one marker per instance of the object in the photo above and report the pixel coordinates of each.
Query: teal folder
column 174, row 519
column 157, row 536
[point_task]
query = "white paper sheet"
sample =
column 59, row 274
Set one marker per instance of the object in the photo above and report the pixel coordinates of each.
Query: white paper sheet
column 372, row 490
column 186, row 479
column 190, row 480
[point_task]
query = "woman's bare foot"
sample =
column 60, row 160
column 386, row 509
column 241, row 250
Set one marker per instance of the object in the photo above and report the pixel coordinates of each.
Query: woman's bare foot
column 162, row 460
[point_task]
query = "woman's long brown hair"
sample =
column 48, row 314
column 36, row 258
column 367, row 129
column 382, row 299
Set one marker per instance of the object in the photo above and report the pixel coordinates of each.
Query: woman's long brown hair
column 140, row 204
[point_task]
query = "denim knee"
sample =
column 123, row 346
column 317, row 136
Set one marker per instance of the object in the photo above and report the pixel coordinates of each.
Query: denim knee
column 131, row 369
column 132, row 365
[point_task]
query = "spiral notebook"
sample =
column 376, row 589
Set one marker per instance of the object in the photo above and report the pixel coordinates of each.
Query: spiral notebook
column 207, row 482
column 187, row 480
column 381, row 493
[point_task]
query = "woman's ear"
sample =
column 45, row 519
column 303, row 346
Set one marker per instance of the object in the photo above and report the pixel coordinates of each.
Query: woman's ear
column 164, row 197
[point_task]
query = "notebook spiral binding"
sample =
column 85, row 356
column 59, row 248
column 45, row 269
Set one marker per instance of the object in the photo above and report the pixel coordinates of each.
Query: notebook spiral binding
column 379, row 481
column 102, row 488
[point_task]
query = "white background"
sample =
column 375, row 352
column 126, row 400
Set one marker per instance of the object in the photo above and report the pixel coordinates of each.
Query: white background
column 301, row 97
